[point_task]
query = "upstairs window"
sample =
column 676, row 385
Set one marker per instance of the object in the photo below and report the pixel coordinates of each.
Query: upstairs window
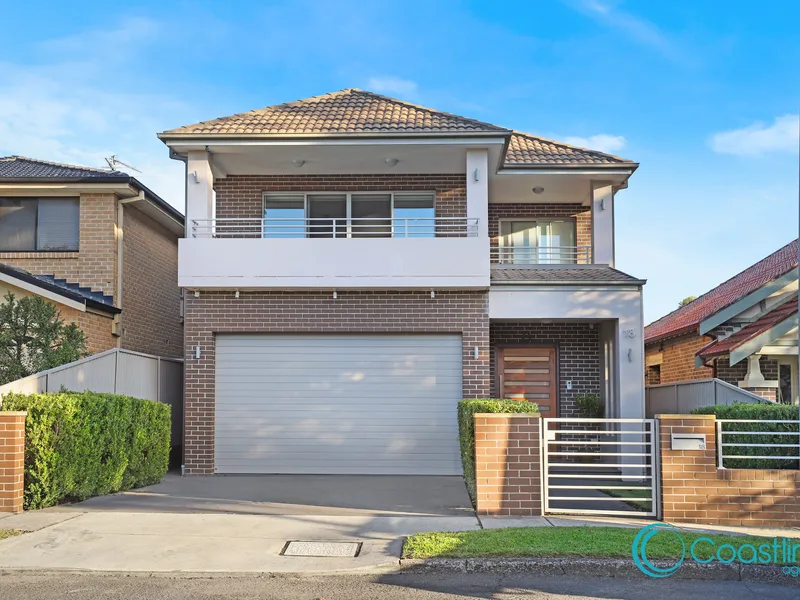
column 353, row 215
column 39, row 224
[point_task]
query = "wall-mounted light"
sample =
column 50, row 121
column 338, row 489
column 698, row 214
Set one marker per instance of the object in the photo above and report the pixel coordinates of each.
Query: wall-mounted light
column 197, row 293
column 433, row 294
column 335, row 295
column 476, row 175
column 538, row 190
column 475, row 352
column 630, row 354
column 602, row 203
column 298, row 162
column 392, row 161
column 236, row 295
column 197, row 352
column 194, row 176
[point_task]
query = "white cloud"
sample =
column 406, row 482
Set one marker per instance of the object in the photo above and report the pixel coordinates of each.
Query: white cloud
column 72, row 109
column 392, row 85
column 601, row 142
column 636, row 28
column 783, row 135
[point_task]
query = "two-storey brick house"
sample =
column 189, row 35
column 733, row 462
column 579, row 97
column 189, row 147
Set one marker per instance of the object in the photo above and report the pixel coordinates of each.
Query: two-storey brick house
column 99, row 245
column 355, row 265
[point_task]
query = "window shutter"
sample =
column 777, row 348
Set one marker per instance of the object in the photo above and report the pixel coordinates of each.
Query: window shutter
column 58, row 224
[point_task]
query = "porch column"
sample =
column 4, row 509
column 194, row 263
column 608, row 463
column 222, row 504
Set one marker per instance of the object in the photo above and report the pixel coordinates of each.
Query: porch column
column 478, row 189
column 629, row 344
column 199, row 189
column 755, row 382
column 602, row 223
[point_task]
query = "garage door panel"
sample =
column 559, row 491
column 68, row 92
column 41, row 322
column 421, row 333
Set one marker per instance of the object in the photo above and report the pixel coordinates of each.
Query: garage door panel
column 360, row 404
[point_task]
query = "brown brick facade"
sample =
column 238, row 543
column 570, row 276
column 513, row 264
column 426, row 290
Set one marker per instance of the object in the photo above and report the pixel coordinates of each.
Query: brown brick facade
column 94, row 265
column 12, row 460
column 507, row 464
column 694, row 490
column 578, row 352
column 582, row 216
column 678, row 358
column 319, row 312
column 241, row 196
column 151, row 320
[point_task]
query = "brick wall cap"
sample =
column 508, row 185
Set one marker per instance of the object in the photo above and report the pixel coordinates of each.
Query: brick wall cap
column 670, row 416
column 14, row 413
column 535, row 415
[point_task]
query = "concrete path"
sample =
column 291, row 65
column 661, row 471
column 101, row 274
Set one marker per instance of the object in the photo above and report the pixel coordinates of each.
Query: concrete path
column 162, row 542
column 238, row 524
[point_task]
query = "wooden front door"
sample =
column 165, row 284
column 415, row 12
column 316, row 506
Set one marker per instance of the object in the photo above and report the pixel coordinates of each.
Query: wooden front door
column 529, row 373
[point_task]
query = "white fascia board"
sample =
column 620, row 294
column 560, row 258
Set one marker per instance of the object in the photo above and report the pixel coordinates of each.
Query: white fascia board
column 510, row 286
column 746, row 302
column 186, row 145
column 35, row 289
column 756, row 344
column 557, row 171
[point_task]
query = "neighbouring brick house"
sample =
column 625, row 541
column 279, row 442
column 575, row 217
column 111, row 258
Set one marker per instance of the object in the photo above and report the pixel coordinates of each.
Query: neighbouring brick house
column 98, row 244
column 744, row 332
column 354, row 265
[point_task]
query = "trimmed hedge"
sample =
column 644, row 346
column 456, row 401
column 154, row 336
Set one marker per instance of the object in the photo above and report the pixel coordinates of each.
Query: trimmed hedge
column 466, row 428
column 79, row 445
column 757, row 412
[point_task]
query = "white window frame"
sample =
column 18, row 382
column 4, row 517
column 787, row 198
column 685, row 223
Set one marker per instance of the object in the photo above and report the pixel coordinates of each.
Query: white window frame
column 349, row 203
column 792, row 363
column 500, row 235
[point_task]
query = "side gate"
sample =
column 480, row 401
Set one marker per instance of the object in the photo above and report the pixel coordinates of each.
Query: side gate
column 600, row 467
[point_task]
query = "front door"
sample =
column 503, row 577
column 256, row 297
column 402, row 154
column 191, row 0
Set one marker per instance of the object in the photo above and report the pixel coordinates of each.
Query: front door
column 529, row 373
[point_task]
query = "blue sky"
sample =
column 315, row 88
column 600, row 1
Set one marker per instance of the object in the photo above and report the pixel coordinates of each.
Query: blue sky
column 705, row 98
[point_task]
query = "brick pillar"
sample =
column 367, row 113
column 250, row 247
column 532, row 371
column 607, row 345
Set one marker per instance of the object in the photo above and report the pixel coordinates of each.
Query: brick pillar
column 770, row 393
column 12, row 460
column 688, row 477
column 507, row 464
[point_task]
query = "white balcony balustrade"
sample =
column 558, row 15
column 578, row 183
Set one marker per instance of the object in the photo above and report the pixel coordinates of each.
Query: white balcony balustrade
column 541, row 255
column 289, row 228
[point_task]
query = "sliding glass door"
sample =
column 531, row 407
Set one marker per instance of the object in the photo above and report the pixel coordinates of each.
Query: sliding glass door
column 537, row 242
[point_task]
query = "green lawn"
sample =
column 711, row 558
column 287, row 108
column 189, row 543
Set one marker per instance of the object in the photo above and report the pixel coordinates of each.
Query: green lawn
column 7, row 533
column 609, row 542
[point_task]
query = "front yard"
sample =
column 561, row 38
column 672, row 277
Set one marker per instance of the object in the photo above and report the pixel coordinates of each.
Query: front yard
column 558, row 542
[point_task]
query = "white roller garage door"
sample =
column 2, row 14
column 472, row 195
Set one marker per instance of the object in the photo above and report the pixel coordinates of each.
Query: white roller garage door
column 345, row 404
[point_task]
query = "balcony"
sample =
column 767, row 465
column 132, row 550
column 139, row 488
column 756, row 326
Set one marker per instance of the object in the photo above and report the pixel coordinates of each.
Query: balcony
column 534, row 256
column 302, row 253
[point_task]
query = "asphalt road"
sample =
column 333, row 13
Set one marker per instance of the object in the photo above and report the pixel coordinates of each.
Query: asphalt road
column 30, row 586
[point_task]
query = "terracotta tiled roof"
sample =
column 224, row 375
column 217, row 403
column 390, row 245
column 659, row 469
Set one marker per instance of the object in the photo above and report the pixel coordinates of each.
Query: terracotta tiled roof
column 562, row 275
column 688, row 317
column 525, row 149
column 748, row 332
column 354, row 112
column 349, row 111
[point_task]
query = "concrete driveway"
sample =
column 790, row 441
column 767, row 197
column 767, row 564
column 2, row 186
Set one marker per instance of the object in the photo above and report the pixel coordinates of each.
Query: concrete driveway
column 238, row 524
column 330, row 495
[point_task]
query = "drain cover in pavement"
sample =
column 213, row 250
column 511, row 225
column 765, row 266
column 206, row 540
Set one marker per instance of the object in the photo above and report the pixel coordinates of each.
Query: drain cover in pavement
column 335, row 549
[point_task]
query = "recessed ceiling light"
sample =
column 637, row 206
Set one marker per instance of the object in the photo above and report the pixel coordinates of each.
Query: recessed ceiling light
column 538, row 190
column 391, row 161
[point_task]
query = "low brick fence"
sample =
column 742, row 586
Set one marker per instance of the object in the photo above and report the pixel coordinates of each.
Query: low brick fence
column 12, row 460
column 507, row 464
column 694, row 490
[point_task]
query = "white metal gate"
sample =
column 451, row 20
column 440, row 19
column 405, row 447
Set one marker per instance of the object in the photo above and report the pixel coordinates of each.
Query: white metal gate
column 600, row 467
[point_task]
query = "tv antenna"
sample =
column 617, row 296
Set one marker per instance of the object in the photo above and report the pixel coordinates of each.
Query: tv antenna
column 113, row 161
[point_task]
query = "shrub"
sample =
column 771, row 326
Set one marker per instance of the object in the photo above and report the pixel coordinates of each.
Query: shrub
column 466, row 429
column 590, row 406
column 757, row 412
column 79, row 445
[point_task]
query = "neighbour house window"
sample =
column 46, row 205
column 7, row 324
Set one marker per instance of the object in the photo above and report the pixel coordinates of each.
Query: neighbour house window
column 39, row 224
column 353, row 215
column 537, row 242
